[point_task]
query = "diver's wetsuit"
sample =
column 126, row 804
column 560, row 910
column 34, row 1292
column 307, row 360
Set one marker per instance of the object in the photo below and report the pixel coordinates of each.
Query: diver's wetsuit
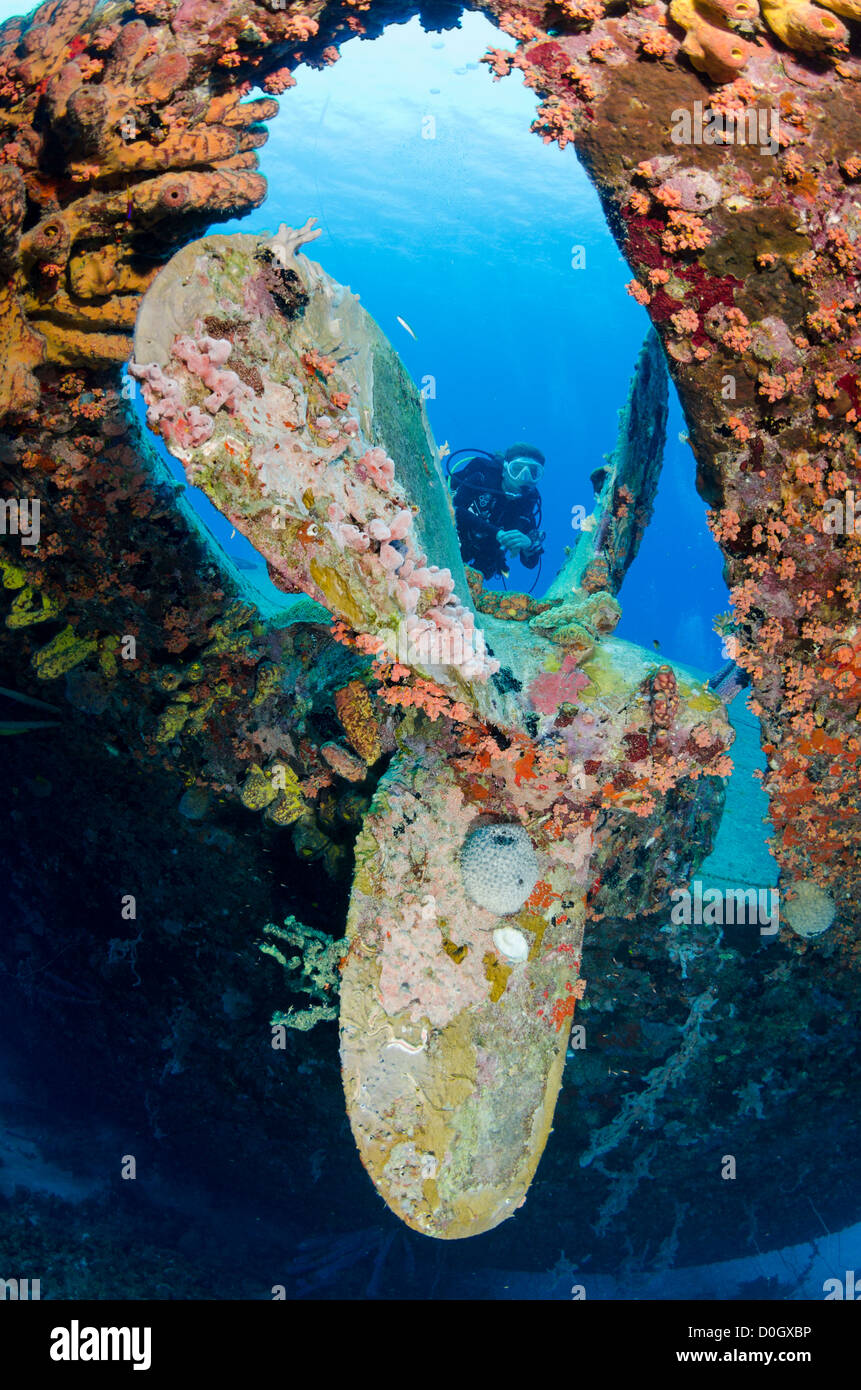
column 482, row 508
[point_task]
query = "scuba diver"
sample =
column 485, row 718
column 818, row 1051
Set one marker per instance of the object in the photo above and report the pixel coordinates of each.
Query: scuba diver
column 497, row 507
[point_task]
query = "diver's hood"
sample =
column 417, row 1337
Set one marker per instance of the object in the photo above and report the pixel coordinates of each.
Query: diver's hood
column 524, row 451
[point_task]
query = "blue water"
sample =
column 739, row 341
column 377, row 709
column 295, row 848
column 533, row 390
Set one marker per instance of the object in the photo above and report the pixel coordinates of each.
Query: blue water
column 468, row 237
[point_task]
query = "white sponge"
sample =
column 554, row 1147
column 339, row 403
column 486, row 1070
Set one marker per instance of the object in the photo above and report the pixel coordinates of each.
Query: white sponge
column 499, row 867
column 811, row 910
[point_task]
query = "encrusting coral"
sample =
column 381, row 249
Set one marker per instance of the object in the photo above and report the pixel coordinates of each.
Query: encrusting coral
column 358, row 550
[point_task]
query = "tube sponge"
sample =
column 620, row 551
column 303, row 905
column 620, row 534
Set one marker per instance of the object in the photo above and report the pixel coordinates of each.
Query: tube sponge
column 499, row 867
column 712, row 46
column 803, row 26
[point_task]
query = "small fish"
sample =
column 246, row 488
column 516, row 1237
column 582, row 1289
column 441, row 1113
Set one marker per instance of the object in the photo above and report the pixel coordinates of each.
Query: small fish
column 405, row 325
column 11, row 727
column 656, row 644
column 27, row 700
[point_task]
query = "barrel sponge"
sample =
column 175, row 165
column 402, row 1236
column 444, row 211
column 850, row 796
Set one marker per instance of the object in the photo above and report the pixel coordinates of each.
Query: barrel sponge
column 810, row 911
column 499, row 867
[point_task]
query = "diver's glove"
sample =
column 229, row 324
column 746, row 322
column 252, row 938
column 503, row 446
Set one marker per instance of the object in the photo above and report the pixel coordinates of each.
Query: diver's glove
column 515, row 541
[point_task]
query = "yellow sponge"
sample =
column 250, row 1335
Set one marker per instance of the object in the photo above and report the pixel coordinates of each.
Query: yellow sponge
column 803, row 26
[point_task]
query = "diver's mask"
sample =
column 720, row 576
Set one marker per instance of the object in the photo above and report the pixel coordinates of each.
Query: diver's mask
column 524, row 471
